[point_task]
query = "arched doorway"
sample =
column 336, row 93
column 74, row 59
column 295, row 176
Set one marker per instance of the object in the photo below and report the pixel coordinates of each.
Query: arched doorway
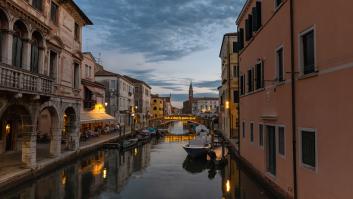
column 70, row 133
column 17, row 135
column 49, row 133
column 20, row 34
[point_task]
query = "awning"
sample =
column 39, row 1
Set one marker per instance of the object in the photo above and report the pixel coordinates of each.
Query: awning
column 91, row 117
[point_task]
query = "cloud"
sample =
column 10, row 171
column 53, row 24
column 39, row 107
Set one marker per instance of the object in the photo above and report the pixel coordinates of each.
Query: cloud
column 159, row 29
column 208, row 84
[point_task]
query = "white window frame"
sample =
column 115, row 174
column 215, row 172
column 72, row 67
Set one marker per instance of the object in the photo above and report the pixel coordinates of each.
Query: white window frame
column 300, row 50
column 277, row 140
column 303, row 165
column 280, row 47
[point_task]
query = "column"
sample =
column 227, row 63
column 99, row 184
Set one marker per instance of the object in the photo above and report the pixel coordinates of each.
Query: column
column 29, row 149
column 74, row 138
column 55, row 142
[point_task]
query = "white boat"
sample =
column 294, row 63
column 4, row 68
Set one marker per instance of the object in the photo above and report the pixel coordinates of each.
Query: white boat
column 199, row 147
column 197, row 151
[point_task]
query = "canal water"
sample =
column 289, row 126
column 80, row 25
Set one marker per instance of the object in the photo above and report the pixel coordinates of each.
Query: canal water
column 157, row 170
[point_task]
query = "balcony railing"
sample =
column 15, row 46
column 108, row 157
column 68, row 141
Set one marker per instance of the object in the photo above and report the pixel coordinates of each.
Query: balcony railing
column 20, row 80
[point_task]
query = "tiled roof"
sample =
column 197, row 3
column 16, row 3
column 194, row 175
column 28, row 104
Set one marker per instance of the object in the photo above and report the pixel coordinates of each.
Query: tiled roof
column 136, row 81
column 106, row 73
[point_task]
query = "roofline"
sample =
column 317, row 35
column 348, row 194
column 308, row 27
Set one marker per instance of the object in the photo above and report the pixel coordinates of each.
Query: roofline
column 133, row 80
column 82, row 14
column 224, row 36
column 242, row 11
column 111, row 74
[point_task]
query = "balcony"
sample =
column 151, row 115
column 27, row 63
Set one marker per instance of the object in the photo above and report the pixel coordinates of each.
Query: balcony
column 20, row 80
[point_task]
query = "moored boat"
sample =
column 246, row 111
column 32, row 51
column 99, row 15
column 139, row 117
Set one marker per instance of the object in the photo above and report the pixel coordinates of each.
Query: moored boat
column 197, row 151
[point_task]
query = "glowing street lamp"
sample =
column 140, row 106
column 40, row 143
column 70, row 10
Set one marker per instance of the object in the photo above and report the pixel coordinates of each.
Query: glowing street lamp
column 227, row 104
column 106, row 103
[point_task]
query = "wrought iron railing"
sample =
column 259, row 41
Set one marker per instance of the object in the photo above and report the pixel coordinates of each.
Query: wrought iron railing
column 21, row 80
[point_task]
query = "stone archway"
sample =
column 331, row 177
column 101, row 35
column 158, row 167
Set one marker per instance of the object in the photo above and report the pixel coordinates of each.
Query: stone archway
column 70, row 134
column 18, row 135
column 49, row 132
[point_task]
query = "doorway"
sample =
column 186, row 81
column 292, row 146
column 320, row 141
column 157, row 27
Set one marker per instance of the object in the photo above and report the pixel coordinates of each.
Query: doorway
column 271, row 149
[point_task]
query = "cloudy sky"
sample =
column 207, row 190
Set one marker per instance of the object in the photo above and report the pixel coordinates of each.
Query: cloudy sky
column 166, row 43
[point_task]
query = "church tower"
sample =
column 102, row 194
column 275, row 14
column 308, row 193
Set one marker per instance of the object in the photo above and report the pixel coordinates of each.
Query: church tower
column 191, row 97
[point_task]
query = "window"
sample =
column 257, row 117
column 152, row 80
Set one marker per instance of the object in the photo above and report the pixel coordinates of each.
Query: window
column 54, row 12
column 240, row 42
column 76, row 76
column 308, row 52
column 37, row 4
column 279, row 65
column 235, row 97
column 308, row 148
column 259, row 76
column 248, row 28
column 256, row 19
column 281, row 141
column 242, row 85
column 252, row 132
column 271, row 149
column 77, row 32
column 243, row 129
column 250, row 80
column 86, row 71
column 35, row 56
column 52, row 64
column 17, row 44
column 112, row 85
column 261, row 135
column 235, row 71
column 278, row 3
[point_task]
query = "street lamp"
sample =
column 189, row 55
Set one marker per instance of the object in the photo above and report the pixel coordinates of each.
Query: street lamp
column 106, row 103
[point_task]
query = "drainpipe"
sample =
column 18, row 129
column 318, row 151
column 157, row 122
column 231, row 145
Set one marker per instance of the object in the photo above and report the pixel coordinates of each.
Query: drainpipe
column 293, row 90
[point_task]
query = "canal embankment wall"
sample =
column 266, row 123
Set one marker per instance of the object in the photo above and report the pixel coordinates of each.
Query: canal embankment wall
column 21, row 176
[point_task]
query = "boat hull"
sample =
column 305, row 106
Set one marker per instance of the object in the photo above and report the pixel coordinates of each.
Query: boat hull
column 196, row 152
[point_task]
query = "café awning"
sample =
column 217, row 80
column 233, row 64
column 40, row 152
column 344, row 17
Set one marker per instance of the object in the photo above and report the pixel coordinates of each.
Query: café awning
column 92, row 117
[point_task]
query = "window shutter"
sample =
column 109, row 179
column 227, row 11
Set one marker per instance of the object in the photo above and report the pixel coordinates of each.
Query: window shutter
column 258, row 15
column 240, row 39
column 235, row 47
column 247, row 35
column 250, row 22
column 254, row 23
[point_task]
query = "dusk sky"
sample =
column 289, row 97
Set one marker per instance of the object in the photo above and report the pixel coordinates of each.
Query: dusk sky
column 166, row 43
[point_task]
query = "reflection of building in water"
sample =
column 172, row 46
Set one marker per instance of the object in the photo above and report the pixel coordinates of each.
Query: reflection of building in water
column 104, row 170
column 230, row 181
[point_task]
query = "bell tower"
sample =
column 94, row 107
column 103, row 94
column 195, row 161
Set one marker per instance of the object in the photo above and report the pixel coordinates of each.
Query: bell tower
column 191, row 97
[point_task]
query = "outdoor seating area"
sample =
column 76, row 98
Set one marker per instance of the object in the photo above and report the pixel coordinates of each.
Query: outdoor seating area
column 89, row 131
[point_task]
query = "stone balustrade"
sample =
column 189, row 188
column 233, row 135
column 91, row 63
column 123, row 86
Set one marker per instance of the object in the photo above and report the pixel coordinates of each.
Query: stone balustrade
column 24, row 81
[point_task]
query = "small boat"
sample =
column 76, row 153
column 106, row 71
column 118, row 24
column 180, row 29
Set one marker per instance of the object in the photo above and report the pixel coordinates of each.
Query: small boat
column 197, row 151
column 129, row 143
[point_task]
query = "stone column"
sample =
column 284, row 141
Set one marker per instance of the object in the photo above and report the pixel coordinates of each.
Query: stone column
column 29, row 149
column 55, row 142
column 74, row 138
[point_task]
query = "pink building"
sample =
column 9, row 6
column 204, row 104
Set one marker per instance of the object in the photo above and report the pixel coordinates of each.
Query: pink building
column 295, row 63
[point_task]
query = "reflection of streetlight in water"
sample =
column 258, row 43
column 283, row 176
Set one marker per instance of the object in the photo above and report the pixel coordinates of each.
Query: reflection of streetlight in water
column 228, row 186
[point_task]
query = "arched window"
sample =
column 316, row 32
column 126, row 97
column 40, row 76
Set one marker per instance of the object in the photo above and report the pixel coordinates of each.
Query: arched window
column 3, row 26
column 36, row 42
column 17, row 46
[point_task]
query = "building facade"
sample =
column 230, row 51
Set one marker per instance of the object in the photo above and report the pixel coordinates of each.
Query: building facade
column 142, row 93
column 40, row 75
column 205, row 106
column 228, row 92
column 120, row 96
column 157, row 107
column 294, row 70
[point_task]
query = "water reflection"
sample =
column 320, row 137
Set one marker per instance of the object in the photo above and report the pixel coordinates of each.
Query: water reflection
column 178, row 128
column 106, row 171
column 156, row 170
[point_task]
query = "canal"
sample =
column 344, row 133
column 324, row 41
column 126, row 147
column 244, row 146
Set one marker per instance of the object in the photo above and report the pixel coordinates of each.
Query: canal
column 157, row 170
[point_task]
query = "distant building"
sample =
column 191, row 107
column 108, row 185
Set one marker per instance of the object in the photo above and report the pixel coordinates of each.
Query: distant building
column 228, row 92
column 142, row 102
column 119, row 96
column 201, row 106
column 160, row 106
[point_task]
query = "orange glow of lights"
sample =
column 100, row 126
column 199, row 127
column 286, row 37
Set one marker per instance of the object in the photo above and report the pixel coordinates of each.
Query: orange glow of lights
column 63, row 179
column 135, row 151
column 7, row 128
column 227, row 104
column 97, row 168
column 228, row 186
